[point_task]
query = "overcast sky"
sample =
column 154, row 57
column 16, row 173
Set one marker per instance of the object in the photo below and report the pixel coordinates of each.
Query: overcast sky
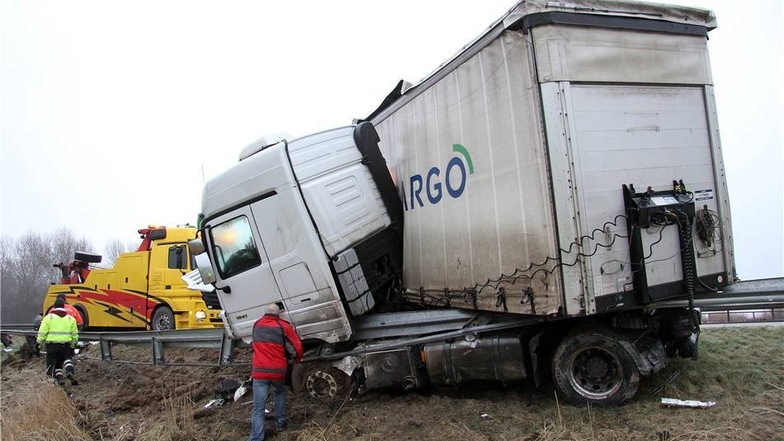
column 113, row 112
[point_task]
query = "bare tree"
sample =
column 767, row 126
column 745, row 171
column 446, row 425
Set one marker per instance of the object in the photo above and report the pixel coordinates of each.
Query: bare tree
column 8, row 281
column 65, row 244
column 113, row 250
column 27, row 270
column 31, row 269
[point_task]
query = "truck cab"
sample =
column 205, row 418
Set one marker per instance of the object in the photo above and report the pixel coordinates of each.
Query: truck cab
column 302, row 224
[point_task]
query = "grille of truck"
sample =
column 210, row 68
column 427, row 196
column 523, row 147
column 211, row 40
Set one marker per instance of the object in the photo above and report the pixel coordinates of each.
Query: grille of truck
column 211, row 299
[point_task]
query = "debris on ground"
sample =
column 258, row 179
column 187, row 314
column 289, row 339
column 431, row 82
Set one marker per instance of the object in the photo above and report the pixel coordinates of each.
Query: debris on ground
column 674, row 402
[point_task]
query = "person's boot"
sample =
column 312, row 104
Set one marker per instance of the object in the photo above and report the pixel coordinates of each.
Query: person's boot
column 68, row 367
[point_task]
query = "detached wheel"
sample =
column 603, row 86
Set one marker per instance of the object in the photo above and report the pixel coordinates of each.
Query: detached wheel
column 162, row 319
column 592, row 366
column 320, row 381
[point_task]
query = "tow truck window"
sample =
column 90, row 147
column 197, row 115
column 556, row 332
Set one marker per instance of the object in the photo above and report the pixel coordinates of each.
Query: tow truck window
column 233, row 246
column 178, row 257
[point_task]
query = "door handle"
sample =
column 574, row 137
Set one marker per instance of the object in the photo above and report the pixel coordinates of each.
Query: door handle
column 226, row 289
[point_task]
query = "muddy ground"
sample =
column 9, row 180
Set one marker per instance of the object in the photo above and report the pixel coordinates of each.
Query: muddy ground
column 128, row 397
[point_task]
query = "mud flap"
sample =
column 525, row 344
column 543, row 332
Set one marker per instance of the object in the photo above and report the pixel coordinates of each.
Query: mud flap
column 648, row 354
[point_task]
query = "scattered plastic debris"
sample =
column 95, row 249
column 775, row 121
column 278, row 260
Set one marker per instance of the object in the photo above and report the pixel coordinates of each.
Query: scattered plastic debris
column 674, row 402
column 487, row 417
column 243, row 389
column 214, row 403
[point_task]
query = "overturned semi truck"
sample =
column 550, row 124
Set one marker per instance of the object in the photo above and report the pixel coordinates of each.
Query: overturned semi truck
column 516, row 216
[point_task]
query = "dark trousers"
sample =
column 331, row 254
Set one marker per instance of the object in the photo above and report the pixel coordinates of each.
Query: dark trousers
column 56, row 355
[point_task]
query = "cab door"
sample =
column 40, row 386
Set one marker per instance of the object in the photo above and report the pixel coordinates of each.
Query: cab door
column 297, row 259
column 245, row 283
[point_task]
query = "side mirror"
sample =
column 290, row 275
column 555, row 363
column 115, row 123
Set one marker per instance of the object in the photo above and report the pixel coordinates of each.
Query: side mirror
column 196, row 246
column 205, row 268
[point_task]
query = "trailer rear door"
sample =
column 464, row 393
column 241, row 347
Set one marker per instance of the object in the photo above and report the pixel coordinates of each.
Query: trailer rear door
column 645, row 135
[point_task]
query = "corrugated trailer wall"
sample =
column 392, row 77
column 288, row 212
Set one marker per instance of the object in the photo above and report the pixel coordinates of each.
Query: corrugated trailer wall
column 470, row 161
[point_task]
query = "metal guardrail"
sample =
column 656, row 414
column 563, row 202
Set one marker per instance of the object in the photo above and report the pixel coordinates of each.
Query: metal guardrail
column 158, row 340
column 744, row 316
column 745, row 295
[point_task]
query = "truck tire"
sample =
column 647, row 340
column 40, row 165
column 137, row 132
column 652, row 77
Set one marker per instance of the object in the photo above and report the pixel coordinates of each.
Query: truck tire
column 162, row 319
column 320, row 380
column 591, row 366
column 87, row 257
column 80, row 310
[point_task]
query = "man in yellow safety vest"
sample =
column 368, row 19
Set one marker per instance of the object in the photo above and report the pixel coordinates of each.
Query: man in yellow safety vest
column 58, row 331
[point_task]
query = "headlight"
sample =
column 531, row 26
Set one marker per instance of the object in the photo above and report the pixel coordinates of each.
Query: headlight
column 200, row 315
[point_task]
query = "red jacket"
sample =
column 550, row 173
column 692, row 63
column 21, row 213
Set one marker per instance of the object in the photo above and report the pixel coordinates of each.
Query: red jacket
column 73, row 312
column 269, row 353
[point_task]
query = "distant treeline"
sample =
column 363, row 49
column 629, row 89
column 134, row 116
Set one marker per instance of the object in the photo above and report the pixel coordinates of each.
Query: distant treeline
column 27, row 268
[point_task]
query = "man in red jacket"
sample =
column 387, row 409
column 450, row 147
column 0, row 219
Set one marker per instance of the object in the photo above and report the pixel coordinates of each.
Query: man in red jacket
column 274, row 343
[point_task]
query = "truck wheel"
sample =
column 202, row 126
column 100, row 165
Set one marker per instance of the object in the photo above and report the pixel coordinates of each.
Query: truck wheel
column 80, row 310
column 87, row 257
column 163, row 319
column 591, row 366
column 321, row 381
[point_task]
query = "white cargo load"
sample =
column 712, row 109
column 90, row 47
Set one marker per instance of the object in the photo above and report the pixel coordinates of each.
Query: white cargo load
column 511, row 158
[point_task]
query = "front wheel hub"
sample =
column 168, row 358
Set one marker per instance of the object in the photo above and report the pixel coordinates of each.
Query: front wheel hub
column 321, row 384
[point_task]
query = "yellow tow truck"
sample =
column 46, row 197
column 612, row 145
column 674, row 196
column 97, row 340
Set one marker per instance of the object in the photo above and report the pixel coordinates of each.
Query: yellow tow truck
column 144, row 290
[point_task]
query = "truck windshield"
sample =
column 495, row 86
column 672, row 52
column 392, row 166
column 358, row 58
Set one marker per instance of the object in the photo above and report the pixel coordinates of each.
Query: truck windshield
column 233, row 247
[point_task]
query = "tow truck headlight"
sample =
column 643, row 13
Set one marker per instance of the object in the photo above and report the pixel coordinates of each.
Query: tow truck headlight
column 200, row 315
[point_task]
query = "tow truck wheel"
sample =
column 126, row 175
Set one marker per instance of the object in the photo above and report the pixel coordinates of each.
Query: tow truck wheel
column 321, row 381
column 163, row 319
column 80, row 310
column 592, row 366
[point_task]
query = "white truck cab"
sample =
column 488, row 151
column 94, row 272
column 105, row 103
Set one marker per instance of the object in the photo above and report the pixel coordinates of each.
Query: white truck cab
column 298, row 223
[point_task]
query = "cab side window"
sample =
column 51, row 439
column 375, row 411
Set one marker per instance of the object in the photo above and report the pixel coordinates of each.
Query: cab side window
column 234, row 247
column 178, row 257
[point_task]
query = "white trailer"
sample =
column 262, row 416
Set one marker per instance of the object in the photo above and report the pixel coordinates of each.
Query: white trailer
column 511, row 158
column 484, row 224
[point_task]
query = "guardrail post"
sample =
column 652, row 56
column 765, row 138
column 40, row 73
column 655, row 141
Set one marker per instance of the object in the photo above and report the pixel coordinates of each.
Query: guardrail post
column 106, row 350
column 157, row 351
column 227, row 350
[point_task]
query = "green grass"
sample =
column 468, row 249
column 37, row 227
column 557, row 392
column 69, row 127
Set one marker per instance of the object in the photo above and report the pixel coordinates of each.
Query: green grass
column 741, row 369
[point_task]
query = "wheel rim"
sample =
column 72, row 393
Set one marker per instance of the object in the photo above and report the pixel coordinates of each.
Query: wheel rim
column 163, row 323
column 595, row 373
column 321, row 384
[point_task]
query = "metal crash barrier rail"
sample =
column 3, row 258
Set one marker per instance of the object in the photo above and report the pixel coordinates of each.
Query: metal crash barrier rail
column 157, row 340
